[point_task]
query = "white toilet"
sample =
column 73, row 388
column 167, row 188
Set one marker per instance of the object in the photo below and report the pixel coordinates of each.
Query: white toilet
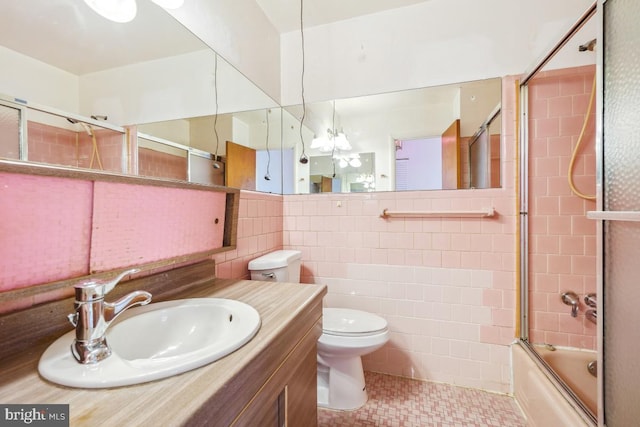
column 346, row 336
column 277, row 266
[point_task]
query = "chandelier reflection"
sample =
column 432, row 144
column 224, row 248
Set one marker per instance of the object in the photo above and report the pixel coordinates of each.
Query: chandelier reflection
column 332, row 141
column 368, row 181
column 352, row 160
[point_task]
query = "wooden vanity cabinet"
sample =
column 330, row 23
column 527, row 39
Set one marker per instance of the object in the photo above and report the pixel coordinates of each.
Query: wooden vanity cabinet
column 289, row 397
column 270, row 381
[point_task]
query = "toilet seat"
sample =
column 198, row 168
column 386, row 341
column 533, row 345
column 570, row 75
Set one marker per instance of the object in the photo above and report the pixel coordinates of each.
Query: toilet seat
column 351, row 323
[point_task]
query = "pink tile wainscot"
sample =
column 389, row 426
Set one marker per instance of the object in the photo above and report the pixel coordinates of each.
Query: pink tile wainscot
column 446, row 286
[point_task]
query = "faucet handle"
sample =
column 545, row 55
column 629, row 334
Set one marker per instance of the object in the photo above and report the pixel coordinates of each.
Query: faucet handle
column 95, row 289
column 112, row 283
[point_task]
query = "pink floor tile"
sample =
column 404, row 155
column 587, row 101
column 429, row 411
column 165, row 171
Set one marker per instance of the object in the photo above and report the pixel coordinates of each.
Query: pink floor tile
column 395, row 401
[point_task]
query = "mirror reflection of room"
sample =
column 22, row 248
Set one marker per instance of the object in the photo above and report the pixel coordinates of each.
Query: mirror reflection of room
column 108, row 80
column 443, row 137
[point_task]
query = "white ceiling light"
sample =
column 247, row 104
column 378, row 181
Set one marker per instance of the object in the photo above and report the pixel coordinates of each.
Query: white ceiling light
column 333, row 141
column 169, row 4
column 115, row 10
column 352, row 160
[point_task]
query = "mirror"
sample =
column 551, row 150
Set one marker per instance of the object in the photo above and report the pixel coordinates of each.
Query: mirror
column 444, row 137
column 245, row 144
column 93, row 83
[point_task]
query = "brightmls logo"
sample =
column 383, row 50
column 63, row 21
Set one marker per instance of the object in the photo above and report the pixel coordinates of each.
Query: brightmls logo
column 34, row 415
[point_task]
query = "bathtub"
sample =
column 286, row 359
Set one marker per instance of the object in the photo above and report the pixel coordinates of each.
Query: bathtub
column 571, row 366
column 542, row 402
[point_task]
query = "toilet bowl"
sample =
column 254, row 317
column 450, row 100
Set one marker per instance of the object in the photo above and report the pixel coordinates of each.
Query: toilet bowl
column 346, row 336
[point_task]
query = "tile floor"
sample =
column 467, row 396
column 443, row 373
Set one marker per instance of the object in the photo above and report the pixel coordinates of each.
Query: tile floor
column 402, row 402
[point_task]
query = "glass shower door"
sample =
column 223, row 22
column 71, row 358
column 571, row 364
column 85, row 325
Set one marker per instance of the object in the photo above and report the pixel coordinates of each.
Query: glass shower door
column 621, row 203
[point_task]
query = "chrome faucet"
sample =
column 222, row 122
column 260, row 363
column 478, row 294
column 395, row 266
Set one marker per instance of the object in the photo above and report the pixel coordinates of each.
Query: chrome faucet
column 93, row 316
column 591, row 299
column 572, row 299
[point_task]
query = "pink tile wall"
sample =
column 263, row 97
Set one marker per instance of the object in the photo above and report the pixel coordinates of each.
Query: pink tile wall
column 562, row 240
column 54, row 145
column 110, row 146
column 260, row 221
column 446, row 286
column 135, row 224
column 163, row 165
column 58, row 228
column 45, row 229
column 50, row 144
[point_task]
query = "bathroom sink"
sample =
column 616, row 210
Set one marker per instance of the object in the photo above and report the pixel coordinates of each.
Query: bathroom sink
column 156, row 341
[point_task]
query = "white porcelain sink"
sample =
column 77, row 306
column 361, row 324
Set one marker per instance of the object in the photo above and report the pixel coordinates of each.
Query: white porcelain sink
column 156, row 341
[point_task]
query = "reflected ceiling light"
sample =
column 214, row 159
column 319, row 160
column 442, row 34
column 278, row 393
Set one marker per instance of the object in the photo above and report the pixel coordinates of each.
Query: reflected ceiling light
column 115, row 10
column 352, row 160
column 334, row 140
column 169, row 4
column 368, row 181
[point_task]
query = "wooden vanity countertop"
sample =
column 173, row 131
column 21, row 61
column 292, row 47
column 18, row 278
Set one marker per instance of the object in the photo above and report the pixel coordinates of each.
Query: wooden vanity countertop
column 210, row 395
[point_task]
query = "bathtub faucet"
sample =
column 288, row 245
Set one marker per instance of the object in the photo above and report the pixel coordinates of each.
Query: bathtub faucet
column 93, row 316
column 571, row 298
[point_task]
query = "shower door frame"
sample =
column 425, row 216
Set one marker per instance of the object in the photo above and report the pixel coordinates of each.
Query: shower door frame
column 593, row 12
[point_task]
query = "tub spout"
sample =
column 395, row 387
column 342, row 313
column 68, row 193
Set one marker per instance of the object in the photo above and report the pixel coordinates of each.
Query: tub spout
column 571, row 298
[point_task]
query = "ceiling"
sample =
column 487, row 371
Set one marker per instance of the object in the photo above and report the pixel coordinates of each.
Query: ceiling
column 285, row 14
column 68, row 35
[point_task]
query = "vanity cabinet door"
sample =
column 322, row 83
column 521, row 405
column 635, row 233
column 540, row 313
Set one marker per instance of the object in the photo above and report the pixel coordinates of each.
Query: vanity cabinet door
column 289, row 397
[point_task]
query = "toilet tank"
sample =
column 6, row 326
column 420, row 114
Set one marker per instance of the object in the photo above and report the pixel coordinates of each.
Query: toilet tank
column 277, row 266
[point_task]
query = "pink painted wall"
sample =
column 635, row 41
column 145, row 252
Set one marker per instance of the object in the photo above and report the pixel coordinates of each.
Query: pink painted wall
column 562, row 240
column 446, row 286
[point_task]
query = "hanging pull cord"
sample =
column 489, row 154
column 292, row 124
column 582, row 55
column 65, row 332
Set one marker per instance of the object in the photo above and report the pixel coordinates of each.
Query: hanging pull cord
column 577, row 147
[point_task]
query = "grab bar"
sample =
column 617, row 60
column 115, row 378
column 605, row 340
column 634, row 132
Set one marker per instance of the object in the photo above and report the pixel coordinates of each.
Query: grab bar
column 483, row 213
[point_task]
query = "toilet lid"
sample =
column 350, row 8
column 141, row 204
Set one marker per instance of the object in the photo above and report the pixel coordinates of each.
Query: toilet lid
column 344, row 321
